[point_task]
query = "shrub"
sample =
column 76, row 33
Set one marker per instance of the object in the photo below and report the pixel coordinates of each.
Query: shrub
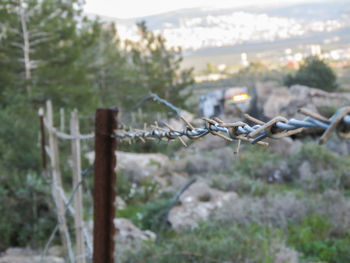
column 25, row 218
column 135, row 193
column 314, row 73
column 313, row 238
column 252, row 162
column 239, row 184
column 146, row 216
column 212, row 242
column 329, row 170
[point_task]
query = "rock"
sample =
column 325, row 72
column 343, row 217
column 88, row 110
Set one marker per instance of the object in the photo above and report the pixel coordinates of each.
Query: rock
column 127, row 232
column 283, row 254
column 316, row 100
column 179, row 124
column 56, row 251
column 275, row 173
column 262, row 92
column 281, row 101
column 128, row 237
column 202, row 162
column 25, row 255
column 339, row 146
column 264, row 89
column 282, row 146
column 305, row 172
column 279, row 98
column 139, row 165
column 197, row 203
column 176, row 181
column 187, row 115
column 207, row 143
column 120, row 203
column 296, row 146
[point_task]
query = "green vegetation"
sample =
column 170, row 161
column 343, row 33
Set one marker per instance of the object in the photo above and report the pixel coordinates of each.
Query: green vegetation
column 212, row 243
column 314, row 73
column 146, row 216
column 286, row 210
column 329, row 170
column 272, row 221
column 50, row 50
column 26, row 215
column 313, row 237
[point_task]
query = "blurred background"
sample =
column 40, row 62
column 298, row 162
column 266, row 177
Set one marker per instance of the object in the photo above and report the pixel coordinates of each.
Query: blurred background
column 289, row 202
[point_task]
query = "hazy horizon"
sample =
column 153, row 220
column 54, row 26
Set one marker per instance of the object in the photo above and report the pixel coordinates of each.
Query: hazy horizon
column 127, row 10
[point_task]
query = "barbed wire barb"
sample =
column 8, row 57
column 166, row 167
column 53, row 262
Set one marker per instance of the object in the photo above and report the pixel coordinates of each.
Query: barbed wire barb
column 276, row 128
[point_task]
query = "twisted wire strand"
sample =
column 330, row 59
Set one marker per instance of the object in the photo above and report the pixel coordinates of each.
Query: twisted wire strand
column 66, row 136
column 276, row 128
column 155, row 98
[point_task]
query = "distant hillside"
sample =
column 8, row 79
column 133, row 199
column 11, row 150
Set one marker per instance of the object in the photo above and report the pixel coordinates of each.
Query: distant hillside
column 221, row 34
column 195, row 29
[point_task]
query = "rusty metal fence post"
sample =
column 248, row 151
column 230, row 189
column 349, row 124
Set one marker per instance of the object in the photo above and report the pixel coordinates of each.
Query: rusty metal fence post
column 104, row 183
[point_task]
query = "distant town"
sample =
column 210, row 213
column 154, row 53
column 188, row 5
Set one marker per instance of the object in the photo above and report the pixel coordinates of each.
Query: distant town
column 236, row 28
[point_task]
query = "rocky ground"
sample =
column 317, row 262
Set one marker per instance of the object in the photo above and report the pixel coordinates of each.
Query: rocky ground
column 287, row 182
column 27, row 255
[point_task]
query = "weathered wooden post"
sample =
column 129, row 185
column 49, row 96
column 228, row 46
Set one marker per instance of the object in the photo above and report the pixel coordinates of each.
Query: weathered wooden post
column 78, row 197
column 57, row 187
column 62, row 128
column 42, row 139
column 104, row 183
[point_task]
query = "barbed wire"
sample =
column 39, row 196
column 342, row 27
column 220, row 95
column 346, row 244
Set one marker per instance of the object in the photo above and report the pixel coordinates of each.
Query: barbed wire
column 276, row 128
column 66, row 136
column 155, row 98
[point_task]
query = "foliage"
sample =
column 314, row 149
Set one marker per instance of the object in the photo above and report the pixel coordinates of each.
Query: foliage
column 329, row 170
column 16, row 141
column 211, row 243
column 252, row 161
column 314, row 72
column 313, row 238
column 111, row 76
column 136, row 192
column 157, row 67
column 244, row 185
column 26, row 215
column 77, row 63
column 167, row 148
column 57, row 35
column 146, row 216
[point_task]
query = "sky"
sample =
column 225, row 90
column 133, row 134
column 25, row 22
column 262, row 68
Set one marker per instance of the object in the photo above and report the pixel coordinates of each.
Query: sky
column 140, row 8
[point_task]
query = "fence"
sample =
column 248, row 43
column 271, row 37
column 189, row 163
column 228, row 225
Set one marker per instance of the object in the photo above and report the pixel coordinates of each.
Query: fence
column 106, row 136
column 61, row 202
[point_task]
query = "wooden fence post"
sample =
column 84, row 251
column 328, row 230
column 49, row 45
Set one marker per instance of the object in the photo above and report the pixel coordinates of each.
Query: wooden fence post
column 62, row 122
column 57, row 184
column 78, row 197
column 42, row 139
column 104, row 183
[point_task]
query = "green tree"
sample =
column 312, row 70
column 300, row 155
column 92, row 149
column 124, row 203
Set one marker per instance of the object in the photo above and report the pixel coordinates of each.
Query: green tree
column 314, row 72
column 112, row 76
column 41, row 44
column 157, row 66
